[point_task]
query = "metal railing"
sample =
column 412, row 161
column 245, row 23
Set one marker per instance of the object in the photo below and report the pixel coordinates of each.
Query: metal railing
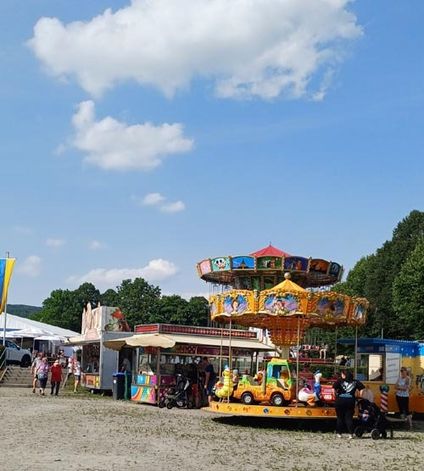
column 3, row 367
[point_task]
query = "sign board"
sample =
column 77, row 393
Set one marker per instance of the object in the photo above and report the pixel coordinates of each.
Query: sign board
column 392, row 367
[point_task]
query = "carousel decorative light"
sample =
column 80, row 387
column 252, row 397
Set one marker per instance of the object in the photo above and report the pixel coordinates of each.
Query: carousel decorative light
column 287, row 309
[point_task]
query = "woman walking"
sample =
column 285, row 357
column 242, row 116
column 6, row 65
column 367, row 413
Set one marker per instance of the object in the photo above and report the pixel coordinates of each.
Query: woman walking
column 43, row 374
column 346, row 388
column 402, row 395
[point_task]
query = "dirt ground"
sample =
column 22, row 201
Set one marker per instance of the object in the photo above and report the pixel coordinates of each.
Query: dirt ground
column 86, row 432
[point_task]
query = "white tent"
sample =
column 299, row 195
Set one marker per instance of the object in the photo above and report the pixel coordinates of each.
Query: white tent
column 16, row 323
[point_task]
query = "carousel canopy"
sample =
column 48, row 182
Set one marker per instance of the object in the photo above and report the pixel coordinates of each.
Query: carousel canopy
column 270, row 251
column 265, row 268
column 287, row 310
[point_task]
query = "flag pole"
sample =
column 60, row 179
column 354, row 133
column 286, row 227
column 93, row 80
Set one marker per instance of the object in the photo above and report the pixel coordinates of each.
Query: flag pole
column 5, row 312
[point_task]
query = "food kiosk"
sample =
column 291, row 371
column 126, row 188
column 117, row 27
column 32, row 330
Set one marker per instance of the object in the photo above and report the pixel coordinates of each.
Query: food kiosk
column 157, row 367
column 98, row 363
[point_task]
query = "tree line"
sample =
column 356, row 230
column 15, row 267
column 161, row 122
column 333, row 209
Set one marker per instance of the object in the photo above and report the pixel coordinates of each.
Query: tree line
column 141, row 302
column 392, row 279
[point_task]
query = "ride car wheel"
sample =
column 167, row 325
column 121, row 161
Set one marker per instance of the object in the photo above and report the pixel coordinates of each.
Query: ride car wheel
column 277, row 399
column 247, row 398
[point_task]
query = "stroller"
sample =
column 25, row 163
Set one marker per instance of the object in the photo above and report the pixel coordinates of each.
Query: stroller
column 179, row 396
column 372, row 420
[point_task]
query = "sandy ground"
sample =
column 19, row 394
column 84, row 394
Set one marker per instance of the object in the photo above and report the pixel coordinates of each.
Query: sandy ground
column 86, row 432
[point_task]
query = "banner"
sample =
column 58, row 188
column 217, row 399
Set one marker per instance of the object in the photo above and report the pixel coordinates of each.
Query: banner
column 6, row 269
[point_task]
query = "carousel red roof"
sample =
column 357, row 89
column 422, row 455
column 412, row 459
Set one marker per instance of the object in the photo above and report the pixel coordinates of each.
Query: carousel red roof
column 270, row 251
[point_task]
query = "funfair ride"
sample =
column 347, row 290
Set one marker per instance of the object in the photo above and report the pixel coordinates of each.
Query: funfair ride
column 285, row 294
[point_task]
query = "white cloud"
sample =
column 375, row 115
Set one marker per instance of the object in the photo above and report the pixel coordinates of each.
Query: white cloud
column 156, row 270
column 31, row 266
column 161, row 202
column 97, row 245
column 23, row 230
column 113, row 145
column 153, row 199
column 55, row 243
column 263, row 48
column 175, row 207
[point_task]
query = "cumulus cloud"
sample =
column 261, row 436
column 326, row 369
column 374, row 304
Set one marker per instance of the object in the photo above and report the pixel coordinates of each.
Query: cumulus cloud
column 113, row 145
column 55, row 243
column 161, row 202
column 152, row 199
column 156, row 270
column 97, row 245
column 31, row 266
column 175, row 207
column 262, row 48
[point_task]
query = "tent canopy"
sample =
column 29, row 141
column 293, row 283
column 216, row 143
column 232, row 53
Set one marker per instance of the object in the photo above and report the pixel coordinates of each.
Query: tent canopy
column 141, row 340
column 16, row 323
column 169, row 340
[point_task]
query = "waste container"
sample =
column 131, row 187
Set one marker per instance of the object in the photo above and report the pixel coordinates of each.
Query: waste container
column 121, row 385
column 127, row 385
column 118, row 386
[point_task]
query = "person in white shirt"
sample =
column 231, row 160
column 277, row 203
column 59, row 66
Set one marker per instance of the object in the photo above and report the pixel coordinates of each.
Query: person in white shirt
column 77, row 375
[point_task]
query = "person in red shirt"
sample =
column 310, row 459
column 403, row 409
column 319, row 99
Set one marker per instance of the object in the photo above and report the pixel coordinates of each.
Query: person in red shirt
column 56, row 377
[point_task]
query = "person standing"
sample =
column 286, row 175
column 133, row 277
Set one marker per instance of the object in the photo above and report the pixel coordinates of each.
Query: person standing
column 70, row 370
column 42, row 372
column 346, row 388
column 77, row 375
column 210, row 377
column 55, row 377
column 402, row 386
column 36, row 362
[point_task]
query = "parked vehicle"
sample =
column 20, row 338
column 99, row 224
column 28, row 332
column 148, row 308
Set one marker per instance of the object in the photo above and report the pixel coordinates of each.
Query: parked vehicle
column 17, row 355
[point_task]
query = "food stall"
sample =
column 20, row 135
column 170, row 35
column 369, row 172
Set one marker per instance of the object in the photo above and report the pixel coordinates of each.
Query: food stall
column 98, row 363
column 378, row 362
column 157, row 367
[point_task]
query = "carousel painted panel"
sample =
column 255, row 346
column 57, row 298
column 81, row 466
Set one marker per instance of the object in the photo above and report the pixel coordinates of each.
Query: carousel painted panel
column 243, row 262
column 221, row 264
column 296, row 263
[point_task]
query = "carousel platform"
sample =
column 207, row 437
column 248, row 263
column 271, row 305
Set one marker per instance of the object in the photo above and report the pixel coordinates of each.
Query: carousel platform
column 295, row 411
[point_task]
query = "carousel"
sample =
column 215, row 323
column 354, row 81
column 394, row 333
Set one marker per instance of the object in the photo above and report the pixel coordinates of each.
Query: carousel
column 286, row 295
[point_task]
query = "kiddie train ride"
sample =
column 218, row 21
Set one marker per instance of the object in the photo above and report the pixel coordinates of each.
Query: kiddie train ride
column 270, row 289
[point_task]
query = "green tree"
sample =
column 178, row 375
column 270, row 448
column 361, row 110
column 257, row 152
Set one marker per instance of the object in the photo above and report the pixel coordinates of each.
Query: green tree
column 61, row 309
column 408, row 293
column 110, row 298
column 172, row 310
column 139, row 301
column 198, row 311
column 373, row 277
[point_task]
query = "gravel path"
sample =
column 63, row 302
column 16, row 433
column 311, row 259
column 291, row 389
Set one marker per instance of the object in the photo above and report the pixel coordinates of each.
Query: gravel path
column 86, row 432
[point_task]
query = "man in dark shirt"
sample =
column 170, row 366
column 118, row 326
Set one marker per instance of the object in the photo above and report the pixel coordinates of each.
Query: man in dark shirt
column 210, row 377
column 346, row 388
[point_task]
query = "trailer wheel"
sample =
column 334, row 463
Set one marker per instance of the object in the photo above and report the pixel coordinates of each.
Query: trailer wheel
column 375, row 434
column 247, row 398
column 277, row 399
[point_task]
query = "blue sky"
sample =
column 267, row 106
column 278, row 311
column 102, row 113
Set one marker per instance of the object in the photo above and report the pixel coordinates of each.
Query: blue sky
column 295, row 122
